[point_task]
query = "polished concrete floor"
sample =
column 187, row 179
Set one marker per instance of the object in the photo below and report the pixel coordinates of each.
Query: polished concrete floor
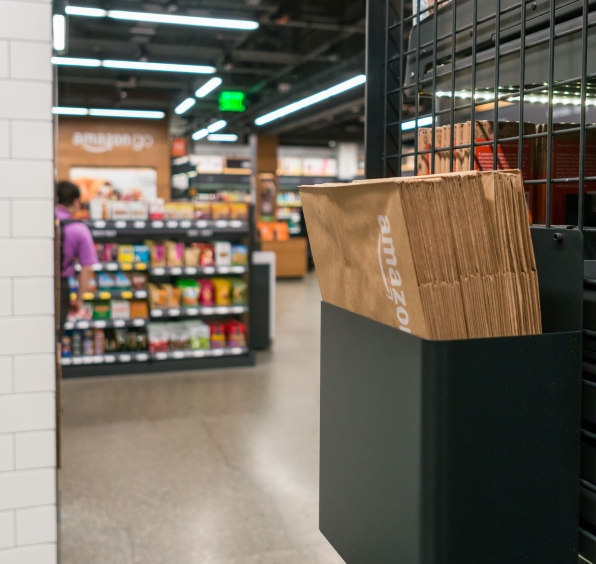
column 217, row 467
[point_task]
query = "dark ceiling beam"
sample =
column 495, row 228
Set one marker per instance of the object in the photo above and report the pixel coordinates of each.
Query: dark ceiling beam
column 316, row 26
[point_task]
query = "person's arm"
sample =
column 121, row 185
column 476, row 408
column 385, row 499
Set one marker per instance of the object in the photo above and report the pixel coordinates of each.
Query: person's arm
column 85, row 277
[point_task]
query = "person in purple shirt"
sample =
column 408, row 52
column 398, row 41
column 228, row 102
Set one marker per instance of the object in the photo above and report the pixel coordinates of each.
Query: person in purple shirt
column 76, row 247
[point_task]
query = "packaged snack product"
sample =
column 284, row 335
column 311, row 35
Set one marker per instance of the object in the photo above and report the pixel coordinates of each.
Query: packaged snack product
column 207, row 296
column 218, row 335
column 200, row 335
column 158, row 338
column 102, row 311
column 238, row 210
column 207, row 254
column 105, row 282
column 172, row 296
column 236, row 334
column 121, row 281
column 239, row 291
column 126, row 254
column 139, row 309
column 223, row 290
column 220, row 210
column 109, row 252
column 223, row 253
column 174, row 253
column 192, row 256
column 138, row 280
column 239, row 255
column 189, row 293
column 120, row 309
column 138, row 210
column 157, row 297
column 157, row 252
column 141, row 254
column 202, row 210
column 156, row 209
column 99, row 341
column 179, row 337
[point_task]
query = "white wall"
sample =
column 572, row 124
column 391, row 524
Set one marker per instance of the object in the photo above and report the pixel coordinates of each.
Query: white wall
column 27, row 378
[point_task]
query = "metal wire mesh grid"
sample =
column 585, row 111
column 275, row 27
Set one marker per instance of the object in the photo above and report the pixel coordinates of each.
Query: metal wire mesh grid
column 516, row 77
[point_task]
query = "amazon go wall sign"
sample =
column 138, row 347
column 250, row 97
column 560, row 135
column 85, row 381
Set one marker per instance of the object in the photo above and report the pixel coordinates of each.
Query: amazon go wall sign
column 104, row 142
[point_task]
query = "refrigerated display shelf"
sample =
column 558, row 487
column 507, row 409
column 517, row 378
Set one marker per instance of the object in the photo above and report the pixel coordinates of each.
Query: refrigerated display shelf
column 196, row 270
column 105, row 324
column 211, row 353
column 108, row 358
column 197, row 311
column 112, row 295
column 191, row 228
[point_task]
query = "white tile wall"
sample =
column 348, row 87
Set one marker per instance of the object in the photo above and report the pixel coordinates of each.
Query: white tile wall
column 7, row 453
column 4, row 58
column 4, row 139
column 6, row 378
column 26, row 334
column 33, row 296
column 28, row 488
column 36, row 526
column 7, row 529
column 25, row 20
column 35, row 450
column 27, row 257
column 23, row 100
column 26, row 180
column 27, row 378
column 34, row 373
column 32, row 140
column 5, row 297
column 33, row 218
column 26, row 412
column 36, row 554
column 31, row 61
column 5, row 218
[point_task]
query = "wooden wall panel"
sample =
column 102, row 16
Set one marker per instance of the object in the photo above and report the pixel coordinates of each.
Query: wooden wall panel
column 115, row 143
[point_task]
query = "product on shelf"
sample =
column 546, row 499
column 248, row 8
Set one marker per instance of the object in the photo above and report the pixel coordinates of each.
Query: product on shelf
column 238, row 211
column 139, row 309
column 66, row 345
column 120, row 309
column 273, row 230
column 207, row 292
column 239, row 255
column 157, row 252
column 141, row 254
column 202, row 210
column 172, row 296
column 200, row 335
column 207, row 254
column 156, row 209
column 223, row 253
column 158, row 338
column 220, row 210
column 236, row 334
column 218, row 335
column 102, row 311
column 179, row 210
column 174, row 254
column 104, row 281
column 137, row 280
column 189, row 293
column 192, row 256
column 239, row 291
column 99, row 341
column 158, row 298
column 223, row 291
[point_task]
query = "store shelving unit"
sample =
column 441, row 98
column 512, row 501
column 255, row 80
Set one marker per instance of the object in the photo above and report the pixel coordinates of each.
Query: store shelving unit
column 130, row 232
column 470, row 60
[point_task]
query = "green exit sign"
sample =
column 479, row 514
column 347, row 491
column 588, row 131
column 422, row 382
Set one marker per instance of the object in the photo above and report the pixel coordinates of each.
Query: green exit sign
column 231, row 101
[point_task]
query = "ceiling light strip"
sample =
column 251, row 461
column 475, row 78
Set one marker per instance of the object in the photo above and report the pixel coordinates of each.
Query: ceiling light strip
column 223, row 137
column 173, row 19
column 133, row 65
column 184, row 106
column 108, row 112
column 59, row 32
column 208, row 87
column 311, row 100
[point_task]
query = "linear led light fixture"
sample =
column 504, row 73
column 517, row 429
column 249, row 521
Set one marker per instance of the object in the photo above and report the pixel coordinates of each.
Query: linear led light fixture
column 223, row 137
column 246, row 25
column 567, row 100
column 184, row 106
column 208, row 87
column 69, row 111
column 422, row 122
column 108, row 112
column 311, row 100
column 59, row 32
column 214, row 127
column 133, row 65
column 75, row 62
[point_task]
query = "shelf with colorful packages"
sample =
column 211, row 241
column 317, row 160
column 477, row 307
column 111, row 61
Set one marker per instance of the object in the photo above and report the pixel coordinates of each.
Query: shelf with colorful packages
column 173, row 286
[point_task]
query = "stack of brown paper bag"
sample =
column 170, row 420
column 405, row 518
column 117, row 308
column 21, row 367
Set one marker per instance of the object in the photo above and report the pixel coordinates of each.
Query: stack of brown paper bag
column 442, row 256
